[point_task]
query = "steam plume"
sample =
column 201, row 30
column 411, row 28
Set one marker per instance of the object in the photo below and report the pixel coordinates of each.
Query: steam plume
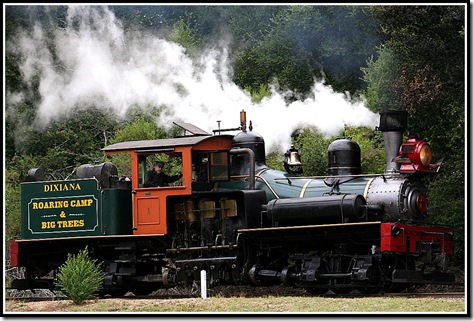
column 102, row 65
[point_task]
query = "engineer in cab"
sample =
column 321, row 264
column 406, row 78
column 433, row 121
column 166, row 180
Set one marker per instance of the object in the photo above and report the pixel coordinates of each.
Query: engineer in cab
column 156, row 177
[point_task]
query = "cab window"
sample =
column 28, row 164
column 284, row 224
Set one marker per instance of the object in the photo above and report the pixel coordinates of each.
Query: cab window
column 172, row 165
column 219, row 166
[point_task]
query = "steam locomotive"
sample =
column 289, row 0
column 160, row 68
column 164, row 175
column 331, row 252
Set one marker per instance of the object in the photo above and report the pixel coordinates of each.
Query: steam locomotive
column 239, row 220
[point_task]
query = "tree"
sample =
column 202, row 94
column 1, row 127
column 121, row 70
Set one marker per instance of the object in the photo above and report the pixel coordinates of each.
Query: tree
column 184, row 35
column 372, row 148
column 272, row 60
column 80, row 276
column 337, row 38
column 304, row 43
column 429, row 45
column 140, row 127
column 68, row 142
column 382, row 77
column 12, row 211
column 429, row 42
column 313, row 147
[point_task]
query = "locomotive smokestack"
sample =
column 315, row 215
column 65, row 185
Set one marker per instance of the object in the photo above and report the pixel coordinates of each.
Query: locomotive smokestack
column 392, row 123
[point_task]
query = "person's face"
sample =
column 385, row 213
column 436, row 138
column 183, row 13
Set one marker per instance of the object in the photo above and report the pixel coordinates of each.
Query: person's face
column 158, row 168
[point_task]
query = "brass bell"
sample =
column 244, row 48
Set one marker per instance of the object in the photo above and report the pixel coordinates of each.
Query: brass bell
column 294, row 158
column 292, row 162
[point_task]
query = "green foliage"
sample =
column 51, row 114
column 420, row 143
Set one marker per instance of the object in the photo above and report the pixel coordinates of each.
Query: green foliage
column 260, row 93
column 382, row 76
column 12, row 211
column 336, row 39
column 303, row 43
column 428, row 73
column 447, row 205
column 15, row 173
column 275, row 160
column 184, row 35
column 139, row 128
column 313, row 147
column 430, row 46
column 274, row 59
column 372, row 148
column 250, row 24
column 80, row 276
column 68, row 142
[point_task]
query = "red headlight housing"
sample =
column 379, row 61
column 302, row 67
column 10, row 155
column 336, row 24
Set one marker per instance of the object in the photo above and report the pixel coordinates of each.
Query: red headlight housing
column 415, row 155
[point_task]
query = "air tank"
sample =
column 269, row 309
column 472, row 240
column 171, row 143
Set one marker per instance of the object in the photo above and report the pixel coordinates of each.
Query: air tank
column 36, row 174
column 341, row 208
column 102, row 172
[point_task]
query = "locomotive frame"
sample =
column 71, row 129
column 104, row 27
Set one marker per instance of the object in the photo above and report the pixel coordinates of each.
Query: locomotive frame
column 239, row 220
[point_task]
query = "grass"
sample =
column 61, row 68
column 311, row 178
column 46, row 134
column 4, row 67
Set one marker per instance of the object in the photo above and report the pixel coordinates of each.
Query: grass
column 255, row 305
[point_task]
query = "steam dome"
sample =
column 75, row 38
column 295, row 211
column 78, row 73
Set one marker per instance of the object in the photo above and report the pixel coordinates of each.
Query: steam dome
column 344, row 157
column 253, row 141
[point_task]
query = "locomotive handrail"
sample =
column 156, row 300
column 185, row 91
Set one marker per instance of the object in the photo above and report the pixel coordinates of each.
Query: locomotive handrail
column 335, row 176
column 299, row 227
column 201, row 248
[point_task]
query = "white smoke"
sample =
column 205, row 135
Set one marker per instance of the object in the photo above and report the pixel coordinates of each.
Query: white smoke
column 101, row 65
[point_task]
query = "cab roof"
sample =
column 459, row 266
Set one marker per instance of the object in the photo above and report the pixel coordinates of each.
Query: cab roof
column 160, row 144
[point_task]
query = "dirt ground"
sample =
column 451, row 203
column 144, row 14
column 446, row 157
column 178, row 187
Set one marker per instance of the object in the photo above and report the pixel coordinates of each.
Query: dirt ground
column 192, row 298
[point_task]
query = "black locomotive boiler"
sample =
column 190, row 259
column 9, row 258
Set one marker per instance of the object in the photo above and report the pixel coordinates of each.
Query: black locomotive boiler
column 237, row 219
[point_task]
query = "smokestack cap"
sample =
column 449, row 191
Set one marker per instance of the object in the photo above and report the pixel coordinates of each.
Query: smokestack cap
column 393, row 120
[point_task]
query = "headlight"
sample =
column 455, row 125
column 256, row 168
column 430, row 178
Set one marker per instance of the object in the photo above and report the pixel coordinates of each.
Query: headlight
column 426, row 155
column 415, row 155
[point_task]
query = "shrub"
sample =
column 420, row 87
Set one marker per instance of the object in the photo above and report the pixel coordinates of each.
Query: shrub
column 80, row 277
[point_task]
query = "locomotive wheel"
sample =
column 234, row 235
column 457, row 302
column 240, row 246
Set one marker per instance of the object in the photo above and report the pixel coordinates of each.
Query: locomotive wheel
column 169, row 278
column 389, row 286
column 253, row 275
column 320, row 290
column 374, row 276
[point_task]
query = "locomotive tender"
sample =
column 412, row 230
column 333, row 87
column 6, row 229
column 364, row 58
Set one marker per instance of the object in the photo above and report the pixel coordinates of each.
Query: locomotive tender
column 242, row 222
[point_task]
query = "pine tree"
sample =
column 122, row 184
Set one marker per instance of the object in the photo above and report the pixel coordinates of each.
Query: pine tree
column 80, row 277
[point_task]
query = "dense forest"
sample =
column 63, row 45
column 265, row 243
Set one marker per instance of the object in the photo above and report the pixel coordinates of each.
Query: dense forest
column 78, row 78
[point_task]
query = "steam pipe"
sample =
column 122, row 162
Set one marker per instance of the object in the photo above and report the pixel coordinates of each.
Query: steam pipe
column 239, row 151
column 243, row 120
column 392, row 123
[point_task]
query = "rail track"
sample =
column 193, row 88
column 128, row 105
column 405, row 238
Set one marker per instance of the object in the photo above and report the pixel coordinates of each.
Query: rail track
column 41, row 295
